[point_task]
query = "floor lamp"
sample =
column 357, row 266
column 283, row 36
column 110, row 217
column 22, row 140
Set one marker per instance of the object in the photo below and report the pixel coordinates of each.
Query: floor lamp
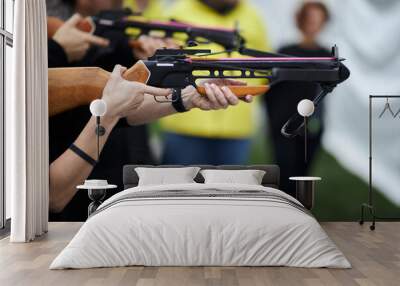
column 97, row 188
column 98, row 108
column 305, row 108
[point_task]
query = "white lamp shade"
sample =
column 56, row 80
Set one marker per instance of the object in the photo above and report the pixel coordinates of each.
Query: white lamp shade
column 98, row 107
column 305, row 108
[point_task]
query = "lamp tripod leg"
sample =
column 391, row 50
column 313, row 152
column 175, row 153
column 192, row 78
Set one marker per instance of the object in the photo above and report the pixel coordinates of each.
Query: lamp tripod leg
column 361, row 221
column 98, row 145
column 305, row 139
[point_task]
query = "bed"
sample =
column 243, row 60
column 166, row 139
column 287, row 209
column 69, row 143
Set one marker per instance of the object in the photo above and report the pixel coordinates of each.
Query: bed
column 201, row 224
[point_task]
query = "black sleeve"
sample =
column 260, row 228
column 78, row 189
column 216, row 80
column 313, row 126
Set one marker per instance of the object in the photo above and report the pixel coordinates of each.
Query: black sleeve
column 56, row 54
column 287, row 50
column 117, row 52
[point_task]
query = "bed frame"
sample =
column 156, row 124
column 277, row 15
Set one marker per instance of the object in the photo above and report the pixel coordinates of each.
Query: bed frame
column 270, row 179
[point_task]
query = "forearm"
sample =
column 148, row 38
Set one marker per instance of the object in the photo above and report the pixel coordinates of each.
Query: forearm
column 78, row 87
column 70, row 170
column 151, row 110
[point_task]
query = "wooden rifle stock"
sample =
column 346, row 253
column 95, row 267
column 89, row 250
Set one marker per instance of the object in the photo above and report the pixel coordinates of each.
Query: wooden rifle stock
column 70, row 88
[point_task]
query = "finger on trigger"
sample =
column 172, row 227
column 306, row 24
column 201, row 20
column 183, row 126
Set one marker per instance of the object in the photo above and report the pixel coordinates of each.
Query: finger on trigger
column 155, row 91
column 95, row 40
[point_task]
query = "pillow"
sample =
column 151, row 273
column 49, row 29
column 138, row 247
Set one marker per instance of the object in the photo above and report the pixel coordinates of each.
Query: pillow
column 166, row 176
column 248, row 177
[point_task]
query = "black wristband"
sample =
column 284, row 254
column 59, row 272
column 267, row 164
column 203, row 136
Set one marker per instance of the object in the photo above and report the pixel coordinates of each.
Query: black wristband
column 82, row 154
column 177, row 102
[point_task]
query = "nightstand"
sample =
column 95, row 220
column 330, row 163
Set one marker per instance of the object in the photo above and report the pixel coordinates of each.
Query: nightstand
column 305, row 188
column 96, row 192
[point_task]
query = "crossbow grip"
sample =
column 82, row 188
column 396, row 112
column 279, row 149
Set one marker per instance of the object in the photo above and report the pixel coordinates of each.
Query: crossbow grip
column 241, row 91
column 70, row 88
column 138, row 72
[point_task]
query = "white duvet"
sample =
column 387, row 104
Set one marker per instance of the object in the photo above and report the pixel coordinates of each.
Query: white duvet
column 188, row 231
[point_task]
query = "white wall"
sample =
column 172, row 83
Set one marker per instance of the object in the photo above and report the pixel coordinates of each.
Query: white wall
column 279, row 20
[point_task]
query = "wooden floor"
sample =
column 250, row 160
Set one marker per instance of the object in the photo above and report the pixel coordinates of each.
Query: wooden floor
column 375, row 257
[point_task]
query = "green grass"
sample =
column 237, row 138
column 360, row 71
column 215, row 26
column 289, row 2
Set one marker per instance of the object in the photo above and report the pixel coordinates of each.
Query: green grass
column 339, row 195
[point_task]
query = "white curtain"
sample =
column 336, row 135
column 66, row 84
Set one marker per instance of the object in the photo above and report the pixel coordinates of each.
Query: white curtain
column 27, row 124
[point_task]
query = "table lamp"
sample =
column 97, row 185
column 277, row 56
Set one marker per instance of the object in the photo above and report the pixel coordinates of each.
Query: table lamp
column 305, row 108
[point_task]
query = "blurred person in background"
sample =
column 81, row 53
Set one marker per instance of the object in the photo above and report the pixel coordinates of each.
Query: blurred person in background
column 150, row 9
column 216, row 137
column 63, row 9
column 70, row 47
column 281, row 102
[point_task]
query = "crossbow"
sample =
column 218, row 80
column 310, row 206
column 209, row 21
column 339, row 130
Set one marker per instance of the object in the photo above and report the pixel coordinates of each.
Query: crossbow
column 134, row 27
column 192, row 35
column 178, row 68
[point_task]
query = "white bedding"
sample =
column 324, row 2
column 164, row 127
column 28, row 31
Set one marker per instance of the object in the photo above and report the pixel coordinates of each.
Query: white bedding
column 188, row 231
